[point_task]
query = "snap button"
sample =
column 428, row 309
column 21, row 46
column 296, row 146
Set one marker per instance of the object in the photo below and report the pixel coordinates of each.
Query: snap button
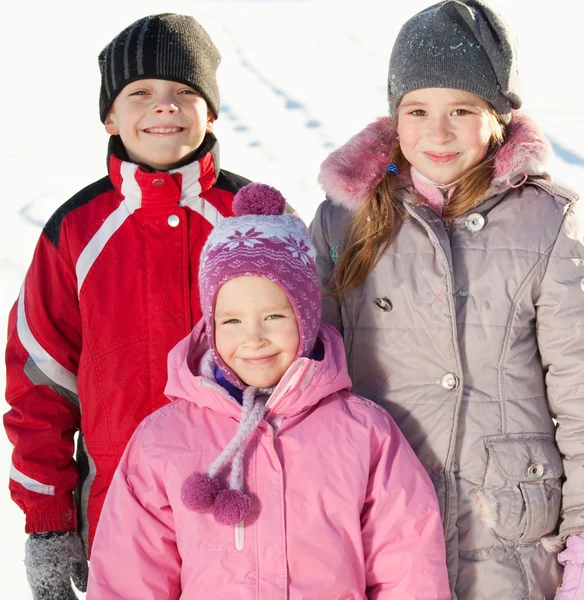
column 475, row 222
column 449, row 382
column 535, row 471
column 384, row 304
column 463, row 292
column 173, row 220
column 158, row 182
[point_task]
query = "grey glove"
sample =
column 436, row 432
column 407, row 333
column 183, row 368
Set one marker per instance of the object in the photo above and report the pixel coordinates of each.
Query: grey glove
column 52, row 560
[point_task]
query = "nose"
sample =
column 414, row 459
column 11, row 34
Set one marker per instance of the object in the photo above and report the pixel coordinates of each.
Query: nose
column 165, row 103
column 253, row 336
column 439, row 130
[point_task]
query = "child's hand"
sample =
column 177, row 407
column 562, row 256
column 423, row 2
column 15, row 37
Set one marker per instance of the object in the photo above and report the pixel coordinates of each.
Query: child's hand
column 572, row 558
column 52, row 560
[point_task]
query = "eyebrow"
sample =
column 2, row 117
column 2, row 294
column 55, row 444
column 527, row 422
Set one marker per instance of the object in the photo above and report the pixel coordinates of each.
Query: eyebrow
column 450, row 104
column 270, row 309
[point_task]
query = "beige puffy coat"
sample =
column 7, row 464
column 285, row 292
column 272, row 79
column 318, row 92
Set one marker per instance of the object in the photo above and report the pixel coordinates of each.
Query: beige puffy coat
column 472, row 337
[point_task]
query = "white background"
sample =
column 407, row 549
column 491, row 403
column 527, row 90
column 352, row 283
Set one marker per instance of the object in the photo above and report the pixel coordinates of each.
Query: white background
column 297, row 79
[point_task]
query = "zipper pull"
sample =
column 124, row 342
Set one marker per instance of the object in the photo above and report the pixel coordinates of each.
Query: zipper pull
column 239, row 535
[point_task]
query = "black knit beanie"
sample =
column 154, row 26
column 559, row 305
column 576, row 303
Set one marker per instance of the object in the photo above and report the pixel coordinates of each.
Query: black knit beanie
column 458, row 44
column 165, row 46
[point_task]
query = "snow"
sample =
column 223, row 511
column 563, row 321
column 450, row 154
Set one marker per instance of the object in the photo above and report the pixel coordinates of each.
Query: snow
column 297, row 79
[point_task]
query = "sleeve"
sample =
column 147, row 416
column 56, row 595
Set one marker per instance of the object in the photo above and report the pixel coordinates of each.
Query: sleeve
column 135, row 554
column 403, row 540
column 560, row 336
column 42, row 358
column 325, row 253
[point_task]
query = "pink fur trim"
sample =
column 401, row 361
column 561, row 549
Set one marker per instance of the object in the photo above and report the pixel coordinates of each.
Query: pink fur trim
column 525, row 149
column 351, row 172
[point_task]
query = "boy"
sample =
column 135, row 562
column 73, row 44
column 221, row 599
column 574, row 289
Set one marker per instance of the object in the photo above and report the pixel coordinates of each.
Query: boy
column 112, row 287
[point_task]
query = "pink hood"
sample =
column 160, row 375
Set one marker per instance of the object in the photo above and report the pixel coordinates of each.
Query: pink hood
column 321, row 378
column 341, row 507
column 351, row 172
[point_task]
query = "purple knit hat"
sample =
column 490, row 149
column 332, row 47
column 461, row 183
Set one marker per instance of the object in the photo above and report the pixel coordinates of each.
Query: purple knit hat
column 262, row 241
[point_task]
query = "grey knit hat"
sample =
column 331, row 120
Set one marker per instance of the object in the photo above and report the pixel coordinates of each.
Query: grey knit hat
column 165, row 46
column 459, row 44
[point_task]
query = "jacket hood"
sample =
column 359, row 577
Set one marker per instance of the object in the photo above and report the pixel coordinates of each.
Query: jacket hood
column 305, row 383
column 351, row 172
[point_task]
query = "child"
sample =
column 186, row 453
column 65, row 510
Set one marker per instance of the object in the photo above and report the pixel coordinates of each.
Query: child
column 265, row 477
column 458, row 289
column 112, row 288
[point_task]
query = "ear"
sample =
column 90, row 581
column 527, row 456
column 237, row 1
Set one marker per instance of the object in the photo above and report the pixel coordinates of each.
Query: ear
column 110, row 127
column 210, row 121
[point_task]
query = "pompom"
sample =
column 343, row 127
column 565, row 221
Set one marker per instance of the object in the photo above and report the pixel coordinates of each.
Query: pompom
column 199, row 491
column 231, row 507
column 258, row 199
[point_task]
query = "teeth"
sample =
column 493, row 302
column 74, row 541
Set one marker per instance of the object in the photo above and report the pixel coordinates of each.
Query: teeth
column 163, row 129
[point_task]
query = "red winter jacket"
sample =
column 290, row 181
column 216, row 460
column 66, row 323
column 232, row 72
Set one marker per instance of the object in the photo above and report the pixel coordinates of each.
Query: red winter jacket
column 111, row 289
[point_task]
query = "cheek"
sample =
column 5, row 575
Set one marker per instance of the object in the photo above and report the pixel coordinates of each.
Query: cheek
column 291, row 339
column 477, row 138
column 408, row 137
column 224, row 344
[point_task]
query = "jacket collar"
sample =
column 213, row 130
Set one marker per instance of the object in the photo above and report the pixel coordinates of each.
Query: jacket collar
column 306, row 382
column 350, row 173
column 147, row 187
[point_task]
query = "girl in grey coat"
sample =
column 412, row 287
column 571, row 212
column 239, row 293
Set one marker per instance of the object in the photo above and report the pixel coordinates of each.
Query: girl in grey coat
column 455, row 272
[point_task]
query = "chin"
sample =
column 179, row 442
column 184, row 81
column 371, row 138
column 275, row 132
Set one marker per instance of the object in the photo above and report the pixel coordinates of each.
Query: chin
column 260, row 382
column 441, row 177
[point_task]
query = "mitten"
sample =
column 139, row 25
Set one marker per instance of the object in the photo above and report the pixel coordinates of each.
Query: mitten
column 52, row 560
column 572, row 558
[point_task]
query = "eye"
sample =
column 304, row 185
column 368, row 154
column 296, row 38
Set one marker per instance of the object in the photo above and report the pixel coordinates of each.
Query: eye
column 230, row 321
column 139, row 93
column 461, row 112
column 274, row 317
column 418, row 113
column 189, row 92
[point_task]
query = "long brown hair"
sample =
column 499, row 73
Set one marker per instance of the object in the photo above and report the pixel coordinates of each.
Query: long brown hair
column 375, row 223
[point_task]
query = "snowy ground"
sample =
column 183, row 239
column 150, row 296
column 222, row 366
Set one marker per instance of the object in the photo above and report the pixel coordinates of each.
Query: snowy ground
column 297, row 79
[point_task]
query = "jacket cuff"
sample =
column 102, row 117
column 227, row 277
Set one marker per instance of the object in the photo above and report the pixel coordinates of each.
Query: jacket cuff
column 46, row 520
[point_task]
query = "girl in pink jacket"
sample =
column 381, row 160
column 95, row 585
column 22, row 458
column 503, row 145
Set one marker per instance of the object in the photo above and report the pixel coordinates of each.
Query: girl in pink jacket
column 266, row 477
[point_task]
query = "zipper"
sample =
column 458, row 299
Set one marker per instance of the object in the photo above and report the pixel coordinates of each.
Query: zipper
column 239, row 536
column 272, row 408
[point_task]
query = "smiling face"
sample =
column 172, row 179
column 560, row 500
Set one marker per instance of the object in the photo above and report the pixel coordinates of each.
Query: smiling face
column 159, row 121
column 256, row 332
column 444, row 133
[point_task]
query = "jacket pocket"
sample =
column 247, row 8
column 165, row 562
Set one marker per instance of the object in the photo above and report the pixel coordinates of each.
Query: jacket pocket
column 522, row 490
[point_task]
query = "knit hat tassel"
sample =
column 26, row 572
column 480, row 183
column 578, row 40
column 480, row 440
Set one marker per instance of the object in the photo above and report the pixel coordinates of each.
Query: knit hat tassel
column 200, row 491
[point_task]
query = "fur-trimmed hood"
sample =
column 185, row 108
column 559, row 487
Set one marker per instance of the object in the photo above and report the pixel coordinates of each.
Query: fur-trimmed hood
column 351, row 172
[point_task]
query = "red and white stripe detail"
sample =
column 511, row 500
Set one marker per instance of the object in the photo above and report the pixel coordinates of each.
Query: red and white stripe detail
column 31, row 484
column 204, row 208
column 132, row 201
column 50, row 367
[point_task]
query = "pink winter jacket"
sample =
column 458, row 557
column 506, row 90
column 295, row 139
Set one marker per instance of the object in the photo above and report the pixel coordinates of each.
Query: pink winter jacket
column 341, row 508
